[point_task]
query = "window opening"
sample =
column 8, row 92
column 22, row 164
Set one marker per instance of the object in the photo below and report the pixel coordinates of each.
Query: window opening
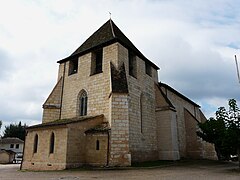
column 148, row 69
column 35, row 147
column 83, row 104
column 52, row 139
column 97, row 145
column 96, row 66
column 73, row 67
column 132, row 64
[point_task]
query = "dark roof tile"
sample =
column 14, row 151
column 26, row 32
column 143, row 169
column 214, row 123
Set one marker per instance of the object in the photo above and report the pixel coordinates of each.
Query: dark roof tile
column 64, row 121
column 10, row 140
column 177, row 93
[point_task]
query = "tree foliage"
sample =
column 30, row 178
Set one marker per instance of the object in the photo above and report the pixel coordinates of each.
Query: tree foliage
column 15, row 130
column 0, row 124
column 223, row 131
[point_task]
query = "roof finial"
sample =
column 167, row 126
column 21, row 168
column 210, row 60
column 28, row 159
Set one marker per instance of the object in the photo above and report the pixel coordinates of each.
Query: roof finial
column 110, row 14
column 111, row 24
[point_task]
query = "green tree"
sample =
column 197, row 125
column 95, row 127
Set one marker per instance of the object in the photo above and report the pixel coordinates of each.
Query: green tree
column 0, row 124
column 15, row 130
column 223, row 131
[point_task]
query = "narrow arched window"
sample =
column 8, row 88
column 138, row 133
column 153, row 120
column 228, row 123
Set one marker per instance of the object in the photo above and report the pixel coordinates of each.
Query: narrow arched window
column 52, row 143
column 97, row 145
column 35, row 144
column 83, row 103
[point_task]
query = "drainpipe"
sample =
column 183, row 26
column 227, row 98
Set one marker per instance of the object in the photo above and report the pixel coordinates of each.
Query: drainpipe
column 60, row 113
column 108, row 148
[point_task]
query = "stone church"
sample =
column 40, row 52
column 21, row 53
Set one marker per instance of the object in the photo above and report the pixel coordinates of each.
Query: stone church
column 108, row 108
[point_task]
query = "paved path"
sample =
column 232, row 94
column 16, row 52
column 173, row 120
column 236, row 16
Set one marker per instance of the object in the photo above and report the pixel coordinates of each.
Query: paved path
column 179, row 172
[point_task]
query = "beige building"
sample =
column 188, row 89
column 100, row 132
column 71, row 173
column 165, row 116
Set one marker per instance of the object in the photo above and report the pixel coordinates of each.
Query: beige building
column 109, row 109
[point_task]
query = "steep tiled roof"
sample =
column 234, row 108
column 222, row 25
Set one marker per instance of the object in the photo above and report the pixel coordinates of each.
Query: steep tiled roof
column 107, row 34
column 10, row 140
column 64, row 121
column 177, row 93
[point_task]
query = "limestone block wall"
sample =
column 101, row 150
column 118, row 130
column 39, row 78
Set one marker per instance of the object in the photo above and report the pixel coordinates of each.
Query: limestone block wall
column 50, row 114
column 97, row 86
column 51, row 107
column 142, row 123
column 179, row 104
column 94, row 156
column 119, row 141
column 167, row 135
column 42, row 159
column 76, row 141
column 194, row 145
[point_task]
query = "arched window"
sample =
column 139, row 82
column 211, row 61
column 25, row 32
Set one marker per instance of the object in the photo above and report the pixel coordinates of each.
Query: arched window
column 83, row 103
column 97, row 145
column 52, row 143
column 35, row 144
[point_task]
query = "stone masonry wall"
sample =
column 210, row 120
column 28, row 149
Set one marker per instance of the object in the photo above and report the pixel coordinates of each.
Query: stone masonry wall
column 142, row 133
column 119, row 141
column 93, row 156
column 179, row 105
column 43, row 160
column 194, row 145
column 77, row 142
column 51, row 107
column 97, row 86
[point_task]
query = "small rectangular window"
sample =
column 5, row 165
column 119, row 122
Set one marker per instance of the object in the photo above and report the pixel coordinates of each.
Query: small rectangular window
column 132, row 64
column 73, row 67
column 11, row 145
column 148, row 69
column 17, row 146
column 96, row 64
column 97, row 145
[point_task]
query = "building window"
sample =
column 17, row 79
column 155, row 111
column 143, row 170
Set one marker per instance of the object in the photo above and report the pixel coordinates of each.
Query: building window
column 11, row 145
column 73, row 67
column 148, row 69
column 17, row 146
column 35, row 145
column 52, row 139
column 83, row 103
column 96, row 64
column 132, row 64
column 97, row 145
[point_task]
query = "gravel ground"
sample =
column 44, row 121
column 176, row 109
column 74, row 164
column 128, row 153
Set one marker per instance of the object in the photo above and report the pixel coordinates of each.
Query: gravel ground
column 193, row 171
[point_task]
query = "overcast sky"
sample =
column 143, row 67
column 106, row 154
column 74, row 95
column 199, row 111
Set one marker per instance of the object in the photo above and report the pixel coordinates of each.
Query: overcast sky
column 192, row 41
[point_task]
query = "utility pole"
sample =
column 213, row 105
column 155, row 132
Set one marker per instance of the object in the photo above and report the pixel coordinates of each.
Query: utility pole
column 237, row 68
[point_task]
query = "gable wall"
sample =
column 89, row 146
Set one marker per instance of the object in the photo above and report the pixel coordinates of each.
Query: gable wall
column 97, row 86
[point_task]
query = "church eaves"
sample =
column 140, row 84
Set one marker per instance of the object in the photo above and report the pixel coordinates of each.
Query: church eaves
column 107, row 34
